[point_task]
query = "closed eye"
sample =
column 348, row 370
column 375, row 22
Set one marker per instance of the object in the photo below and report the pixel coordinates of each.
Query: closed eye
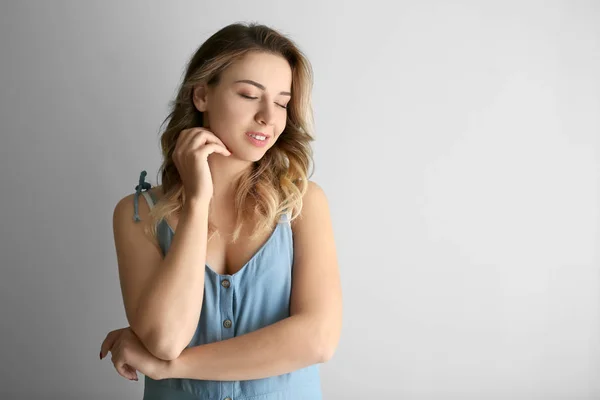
column 254, row 98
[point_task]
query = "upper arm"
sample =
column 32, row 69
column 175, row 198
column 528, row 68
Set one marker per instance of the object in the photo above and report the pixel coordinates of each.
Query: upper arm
column 138, row 256
column 316, row 286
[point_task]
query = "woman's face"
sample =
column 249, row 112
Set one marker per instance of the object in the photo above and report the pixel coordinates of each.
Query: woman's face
column 251, row 96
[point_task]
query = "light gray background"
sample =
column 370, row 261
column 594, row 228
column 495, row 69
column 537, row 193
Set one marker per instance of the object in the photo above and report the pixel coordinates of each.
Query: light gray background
column 458, row 144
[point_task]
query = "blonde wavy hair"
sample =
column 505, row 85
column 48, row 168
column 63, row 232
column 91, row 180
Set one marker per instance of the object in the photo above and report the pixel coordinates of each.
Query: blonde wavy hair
column 277, row 182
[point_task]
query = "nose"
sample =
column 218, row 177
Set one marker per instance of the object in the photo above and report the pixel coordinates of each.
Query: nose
column 266, row 114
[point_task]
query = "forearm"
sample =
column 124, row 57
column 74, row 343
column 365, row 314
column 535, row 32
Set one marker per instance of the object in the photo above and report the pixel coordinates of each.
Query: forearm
column 283, row 347
column 169, row 309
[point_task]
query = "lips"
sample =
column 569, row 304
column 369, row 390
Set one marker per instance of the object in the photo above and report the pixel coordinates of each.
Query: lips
column 257, row 142
column 258, row 133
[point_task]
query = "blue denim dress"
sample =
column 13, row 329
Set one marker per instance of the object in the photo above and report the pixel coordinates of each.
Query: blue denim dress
column 254, row 297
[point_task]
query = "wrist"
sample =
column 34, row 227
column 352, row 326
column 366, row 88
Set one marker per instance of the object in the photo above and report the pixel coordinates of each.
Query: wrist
column 196, row 205
column 164, row 370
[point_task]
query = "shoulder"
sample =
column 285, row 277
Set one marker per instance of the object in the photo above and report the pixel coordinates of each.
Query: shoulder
column 125, row 208
column 314, row 200
column 315, row 206
column 314, row 194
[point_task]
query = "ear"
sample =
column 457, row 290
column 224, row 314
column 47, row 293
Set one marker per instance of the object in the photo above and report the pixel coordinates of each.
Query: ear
column 200, row 97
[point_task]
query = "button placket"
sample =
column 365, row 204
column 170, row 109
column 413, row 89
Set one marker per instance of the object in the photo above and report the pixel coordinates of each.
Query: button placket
column 226, row 308
column 227, row 331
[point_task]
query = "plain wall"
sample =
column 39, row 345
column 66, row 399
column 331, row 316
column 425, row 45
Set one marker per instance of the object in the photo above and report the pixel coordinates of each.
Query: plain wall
column 458, row 144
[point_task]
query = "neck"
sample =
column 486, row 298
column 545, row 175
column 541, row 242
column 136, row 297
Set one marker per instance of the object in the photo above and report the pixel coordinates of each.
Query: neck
column 224, row 171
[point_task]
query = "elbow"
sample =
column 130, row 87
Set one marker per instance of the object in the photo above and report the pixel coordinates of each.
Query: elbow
column 325, row 352
column 165, row 351
column 161, row 343
column 322, row 338
column 325, row 344
column 160, row 347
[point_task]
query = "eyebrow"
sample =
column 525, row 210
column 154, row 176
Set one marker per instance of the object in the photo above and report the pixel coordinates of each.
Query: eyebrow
column 258, row 85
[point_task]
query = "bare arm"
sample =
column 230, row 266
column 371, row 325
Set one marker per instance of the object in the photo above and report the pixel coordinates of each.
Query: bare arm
column 282, row 347
column 309, row 336
column 162, row 297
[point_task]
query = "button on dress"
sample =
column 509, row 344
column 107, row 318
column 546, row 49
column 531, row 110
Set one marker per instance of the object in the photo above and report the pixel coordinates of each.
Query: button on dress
column 256, row 296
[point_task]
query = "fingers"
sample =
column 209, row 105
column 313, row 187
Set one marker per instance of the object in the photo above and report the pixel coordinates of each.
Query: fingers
column 202, row 138
column 113, row 345
column 131, row 372
column 119, row 360
column 109, row 342
column 125, row 370
column 191, row 139
column 183, row 140
column 212, row 148
column 188, row 135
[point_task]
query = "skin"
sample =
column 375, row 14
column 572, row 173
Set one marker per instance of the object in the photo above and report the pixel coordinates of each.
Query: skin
column 229, row 115
column 311, row 334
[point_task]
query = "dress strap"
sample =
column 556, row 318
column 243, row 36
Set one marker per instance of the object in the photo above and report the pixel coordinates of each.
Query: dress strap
column 142, row 186
column 149, row 199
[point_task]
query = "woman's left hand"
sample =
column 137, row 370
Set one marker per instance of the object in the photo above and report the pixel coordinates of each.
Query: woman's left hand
column 130, row 355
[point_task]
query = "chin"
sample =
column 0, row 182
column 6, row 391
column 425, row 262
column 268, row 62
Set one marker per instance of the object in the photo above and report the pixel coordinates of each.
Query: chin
column 248, row 156
column 257, row 159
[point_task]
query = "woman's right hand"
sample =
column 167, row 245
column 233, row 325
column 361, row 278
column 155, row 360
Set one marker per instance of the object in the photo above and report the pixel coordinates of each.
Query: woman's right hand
column 190, row 156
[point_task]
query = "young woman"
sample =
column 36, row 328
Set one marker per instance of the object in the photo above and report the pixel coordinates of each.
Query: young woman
column 228, row 269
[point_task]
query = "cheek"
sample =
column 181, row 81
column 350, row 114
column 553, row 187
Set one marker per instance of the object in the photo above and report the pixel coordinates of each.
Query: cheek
column 237, row 111
column 225, row 116
column 281, row 123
